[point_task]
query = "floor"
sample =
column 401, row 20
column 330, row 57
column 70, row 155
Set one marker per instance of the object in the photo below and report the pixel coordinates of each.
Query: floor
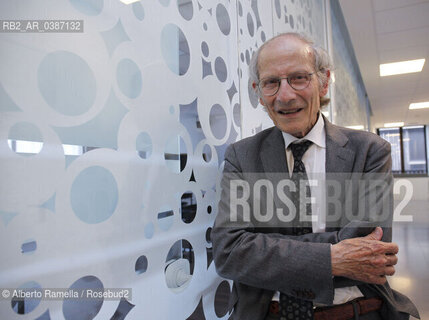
column 412, row 272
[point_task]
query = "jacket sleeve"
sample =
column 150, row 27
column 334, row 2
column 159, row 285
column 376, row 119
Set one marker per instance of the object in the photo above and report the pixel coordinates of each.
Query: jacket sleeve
column 378, row 165
column 377, row 200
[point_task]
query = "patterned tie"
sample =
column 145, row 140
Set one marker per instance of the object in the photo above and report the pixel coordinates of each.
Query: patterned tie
column 299, row 176
column 292, row 308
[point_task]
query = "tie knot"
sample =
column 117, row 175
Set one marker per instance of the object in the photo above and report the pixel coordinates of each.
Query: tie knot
column 298, row 149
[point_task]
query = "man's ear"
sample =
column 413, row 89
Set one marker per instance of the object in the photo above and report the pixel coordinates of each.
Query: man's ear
column 255, row 88
column 261, row 101
column 325, row 87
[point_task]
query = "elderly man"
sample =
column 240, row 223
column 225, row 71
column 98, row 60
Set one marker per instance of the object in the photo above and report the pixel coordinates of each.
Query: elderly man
column 284, row 266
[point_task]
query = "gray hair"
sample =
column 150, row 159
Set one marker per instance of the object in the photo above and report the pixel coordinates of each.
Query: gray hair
column 322, row 61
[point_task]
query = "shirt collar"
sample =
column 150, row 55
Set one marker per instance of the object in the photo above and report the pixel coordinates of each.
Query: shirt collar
column 316, row 135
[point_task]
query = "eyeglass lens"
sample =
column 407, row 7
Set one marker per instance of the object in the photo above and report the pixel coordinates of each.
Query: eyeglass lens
column 297, row 81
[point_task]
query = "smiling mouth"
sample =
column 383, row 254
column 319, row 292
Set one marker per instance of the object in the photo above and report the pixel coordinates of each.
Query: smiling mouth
column 292, row 111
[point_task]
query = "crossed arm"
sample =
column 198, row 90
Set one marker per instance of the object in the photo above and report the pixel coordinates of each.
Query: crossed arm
column 366, row 259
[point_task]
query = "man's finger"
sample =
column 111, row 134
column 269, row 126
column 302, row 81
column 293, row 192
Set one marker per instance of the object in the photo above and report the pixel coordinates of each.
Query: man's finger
column 391, row 248
column 376, row 234
column 391, row 260
column 390, row 271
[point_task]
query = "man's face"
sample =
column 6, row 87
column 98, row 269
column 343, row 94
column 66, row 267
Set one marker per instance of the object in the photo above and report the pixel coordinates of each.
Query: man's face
column 292, row 111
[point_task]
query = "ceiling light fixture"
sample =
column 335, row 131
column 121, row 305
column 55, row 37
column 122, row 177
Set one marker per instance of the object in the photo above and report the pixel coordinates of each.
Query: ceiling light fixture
column 419, row 105
column 414, row 127
column 393, row 124
column 358, row 127
column 128, row 1
column 410, row 66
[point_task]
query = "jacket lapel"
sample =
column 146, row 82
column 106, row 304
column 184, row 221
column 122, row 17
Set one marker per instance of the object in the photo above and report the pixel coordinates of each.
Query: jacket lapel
column 339, row 165
column 273, row 153
column 273, row 158
column 339, row 158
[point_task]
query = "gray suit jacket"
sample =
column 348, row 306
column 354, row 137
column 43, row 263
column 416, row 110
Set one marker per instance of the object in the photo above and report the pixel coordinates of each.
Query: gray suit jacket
column 264, row 257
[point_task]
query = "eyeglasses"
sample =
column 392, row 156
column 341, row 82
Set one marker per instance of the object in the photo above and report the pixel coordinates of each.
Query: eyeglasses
column 298, row 81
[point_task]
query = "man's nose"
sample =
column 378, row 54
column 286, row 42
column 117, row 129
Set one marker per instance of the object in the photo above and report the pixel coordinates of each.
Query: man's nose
column 286, row 92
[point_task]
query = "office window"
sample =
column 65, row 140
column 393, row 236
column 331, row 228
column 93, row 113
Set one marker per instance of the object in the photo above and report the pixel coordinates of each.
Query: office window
column 409, row 154
column 393, row 136
column 414, row 149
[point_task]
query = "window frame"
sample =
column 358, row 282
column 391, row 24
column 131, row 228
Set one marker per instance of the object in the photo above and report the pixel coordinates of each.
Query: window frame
column 403, row 173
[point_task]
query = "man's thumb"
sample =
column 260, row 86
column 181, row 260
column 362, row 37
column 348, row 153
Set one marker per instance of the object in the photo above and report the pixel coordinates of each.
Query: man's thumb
column 376, row 234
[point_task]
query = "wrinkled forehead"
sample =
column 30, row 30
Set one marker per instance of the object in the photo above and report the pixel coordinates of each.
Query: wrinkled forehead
column 286, row 47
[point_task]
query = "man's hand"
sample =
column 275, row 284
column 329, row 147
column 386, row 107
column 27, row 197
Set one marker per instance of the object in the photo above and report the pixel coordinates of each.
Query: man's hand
column 364, row 259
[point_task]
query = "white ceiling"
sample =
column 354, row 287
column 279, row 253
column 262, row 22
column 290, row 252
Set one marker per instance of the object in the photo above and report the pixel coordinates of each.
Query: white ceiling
column 385, row 31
